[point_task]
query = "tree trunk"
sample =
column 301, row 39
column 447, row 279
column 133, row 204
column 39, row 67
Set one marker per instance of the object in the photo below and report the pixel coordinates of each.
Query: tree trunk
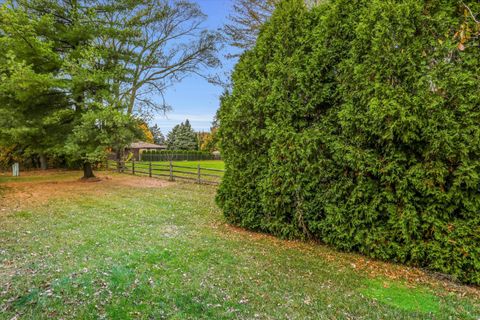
column 121, row 160
column 35, row 162
column 87, row 171
column 118, row 160
column 43, row 162
column 133, row 96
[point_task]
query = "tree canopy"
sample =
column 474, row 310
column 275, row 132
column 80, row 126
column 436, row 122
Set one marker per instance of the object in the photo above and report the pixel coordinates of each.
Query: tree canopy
column 76, row 76
column 158, row 136
column 245, row 22
column 157, row 43
column 182, row 137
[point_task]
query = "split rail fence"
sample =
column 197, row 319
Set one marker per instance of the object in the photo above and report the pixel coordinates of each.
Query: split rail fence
column 171, row 171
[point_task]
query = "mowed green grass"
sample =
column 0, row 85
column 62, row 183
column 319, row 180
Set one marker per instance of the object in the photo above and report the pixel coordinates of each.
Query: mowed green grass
column 204, row 164
column 123, row 252
column 212, row 164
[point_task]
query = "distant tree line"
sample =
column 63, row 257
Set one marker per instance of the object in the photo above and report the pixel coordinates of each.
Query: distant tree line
column 183, row 137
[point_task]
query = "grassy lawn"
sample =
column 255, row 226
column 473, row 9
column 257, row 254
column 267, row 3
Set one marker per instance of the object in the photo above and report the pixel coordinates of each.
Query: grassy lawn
column 212, row 164
column 131, row 247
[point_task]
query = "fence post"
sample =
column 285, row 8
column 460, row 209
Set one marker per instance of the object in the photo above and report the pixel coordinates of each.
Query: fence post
column 171, row 171
column 106, row 165
column 133, row 166
column 198, row 173
column 150, row 169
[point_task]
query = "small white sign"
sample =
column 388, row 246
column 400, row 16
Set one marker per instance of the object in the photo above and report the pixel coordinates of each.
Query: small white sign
column 16, row 169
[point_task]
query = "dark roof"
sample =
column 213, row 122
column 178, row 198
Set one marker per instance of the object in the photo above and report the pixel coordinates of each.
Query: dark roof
column 146, row 145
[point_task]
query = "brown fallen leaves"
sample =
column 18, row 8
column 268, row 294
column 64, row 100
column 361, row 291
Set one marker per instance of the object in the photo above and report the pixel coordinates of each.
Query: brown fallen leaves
column 410, row 276
column 20, row 194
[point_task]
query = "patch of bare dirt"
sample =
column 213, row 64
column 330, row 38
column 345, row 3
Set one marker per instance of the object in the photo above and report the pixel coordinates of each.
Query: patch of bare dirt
column 140, row 182
column 18, row 194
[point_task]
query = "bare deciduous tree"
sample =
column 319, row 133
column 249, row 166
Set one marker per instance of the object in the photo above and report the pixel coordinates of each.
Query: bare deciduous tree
column 161, row 42
column 245, row 22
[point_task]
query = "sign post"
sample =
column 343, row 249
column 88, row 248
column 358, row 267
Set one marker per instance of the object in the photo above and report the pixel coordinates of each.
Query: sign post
column 16, row 169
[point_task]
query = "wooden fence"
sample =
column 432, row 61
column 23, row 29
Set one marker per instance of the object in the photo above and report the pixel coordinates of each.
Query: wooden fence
column 195, row 174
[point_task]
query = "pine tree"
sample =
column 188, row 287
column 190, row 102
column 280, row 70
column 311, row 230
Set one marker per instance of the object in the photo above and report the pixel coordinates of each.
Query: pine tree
column 158, row 137
column 32, row 97
column 56, row 79
column 182, row 137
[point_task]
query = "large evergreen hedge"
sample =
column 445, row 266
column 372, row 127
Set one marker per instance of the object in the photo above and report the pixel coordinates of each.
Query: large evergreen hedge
column 357, row 123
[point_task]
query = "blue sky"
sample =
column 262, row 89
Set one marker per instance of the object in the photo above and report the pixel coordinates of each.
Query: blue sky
column 194, row 98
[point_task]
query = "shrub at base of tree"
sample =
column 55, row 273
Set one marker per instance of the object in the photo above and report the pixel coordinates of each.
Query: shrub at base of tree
column 357, row 123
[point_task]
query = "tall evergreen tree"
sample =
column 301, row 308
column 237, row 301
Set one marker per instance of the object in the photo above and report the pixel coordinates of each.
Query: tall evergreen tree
column 246, row 20
column 56, row 80
column 182, row 137
column 356, row 123
column 32, row 94
column 158, row 136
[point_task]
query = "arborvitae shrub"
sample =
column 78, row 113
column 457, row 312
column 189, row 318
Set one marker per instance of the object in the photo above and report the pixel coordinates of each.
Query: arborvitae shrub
column 357, row 123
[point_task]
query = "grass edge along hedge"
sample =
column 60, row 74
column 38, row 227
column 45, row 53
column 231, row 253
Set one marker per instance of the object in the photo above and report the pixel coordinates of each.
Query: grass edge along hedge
column 357, row 123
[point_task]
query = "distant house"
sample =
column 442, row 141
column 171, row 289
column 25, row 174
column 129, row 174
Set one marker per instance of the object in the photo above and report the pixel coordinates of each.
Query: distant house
column 217, row 155
column 138, row 147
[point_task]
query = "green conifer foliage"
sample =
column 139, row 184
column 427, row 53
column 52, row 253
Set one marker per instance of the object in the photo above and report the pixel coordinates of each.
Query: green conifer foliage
column 182, row 137
column 356, row 123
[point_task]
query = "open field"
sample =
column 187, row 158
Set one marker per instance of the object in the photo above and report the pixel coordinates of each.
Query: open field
column 212, row 164
column 134, row 247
